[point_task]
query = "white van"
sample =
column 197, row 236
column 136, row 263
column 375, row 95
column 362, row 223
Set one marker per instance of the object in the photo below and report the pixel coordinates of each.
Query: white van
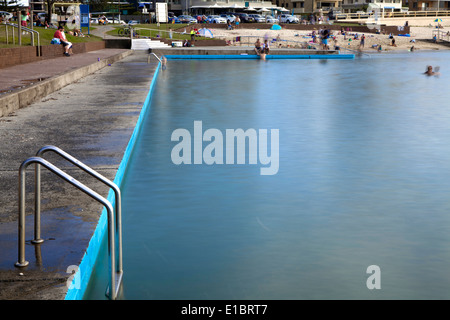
column 5, row 15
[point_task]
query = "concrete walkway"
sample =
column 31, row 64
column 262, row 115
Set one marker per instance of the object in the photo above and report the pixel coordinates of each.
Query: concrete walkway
column 25, row 75
column 100, row 31
column 92, row 119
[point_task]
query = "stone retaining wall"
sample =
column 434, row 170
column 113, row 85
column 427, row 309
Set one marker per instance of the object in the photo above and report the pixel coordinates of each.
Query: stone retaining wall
column 26, row 54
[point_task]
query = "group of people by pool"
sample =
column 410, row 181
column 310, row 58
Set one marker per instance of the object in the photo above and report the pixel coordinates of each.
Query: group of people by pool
column 261, row 49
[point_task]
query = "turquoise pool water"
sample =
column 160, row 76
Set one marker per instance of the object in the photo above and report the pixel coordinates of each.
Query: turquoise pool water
column 363, row 179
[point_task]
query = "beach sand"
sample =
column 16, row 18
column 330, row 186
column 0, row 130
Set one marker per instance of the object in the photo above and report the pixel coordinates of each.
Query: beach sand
column 297, row 38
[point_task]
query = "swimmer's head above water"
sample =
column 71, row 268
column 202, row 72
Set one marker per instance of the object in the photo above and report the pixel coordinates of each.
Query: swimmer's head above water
column 430, row 71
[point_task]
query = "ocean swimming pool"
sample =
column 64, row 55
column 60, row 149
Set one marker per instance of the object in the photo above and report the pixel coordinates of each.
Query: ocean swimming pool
column 363, row 180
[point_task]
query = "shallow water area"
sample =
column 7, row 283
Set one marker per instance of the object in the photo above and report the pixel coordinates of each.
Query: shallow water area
column 363, row 179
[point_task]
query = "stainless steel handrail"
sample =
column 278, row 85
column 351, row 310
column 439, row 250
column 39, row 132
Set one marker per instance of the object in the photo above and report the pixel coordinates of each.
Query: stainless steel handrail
column 95, row 174
column 110, row 217
column 357, row 52
column 153, row 54
column 31, row 31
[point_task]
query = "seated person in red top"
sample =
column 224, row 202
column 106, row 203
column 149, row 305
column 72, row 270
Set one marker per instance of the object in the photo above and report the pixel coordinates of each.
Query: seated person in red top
column 62, row 37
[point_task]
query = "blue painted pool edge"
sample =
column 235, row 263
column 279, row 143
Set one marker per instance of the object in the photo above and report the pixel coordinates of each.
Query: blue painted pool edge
column 82, row 277
column 255, row 57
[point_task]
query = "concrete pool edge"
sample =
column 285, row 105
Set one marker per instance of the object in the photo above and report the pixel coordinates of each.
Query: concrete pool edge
column 255, row 57
column 83, row 275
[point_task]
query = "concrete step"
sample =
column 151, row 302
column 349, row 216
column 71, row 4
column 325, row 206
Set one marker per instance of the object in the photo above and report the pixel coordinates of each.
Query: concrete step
column 145, row 44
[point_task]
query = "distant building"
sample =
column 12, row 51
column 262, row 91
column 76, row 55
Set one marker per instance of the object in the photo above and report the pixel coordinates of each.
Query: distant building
column 420, row 5
column 370, row 5
column 37, row 6
column 309, row 6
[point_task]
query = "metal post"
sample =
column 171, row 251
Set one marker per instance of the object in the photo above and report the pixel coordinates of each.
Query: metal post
column 19, row 28
column 21, row 262
column 37, row 205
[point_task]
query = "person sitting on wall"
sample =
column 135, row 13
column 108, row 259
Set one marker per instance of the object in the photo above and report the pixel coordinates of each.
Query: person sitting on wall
column 257, row 47
column 59, row 34
column 336, row 45
column 265, row 47
column 264, row 50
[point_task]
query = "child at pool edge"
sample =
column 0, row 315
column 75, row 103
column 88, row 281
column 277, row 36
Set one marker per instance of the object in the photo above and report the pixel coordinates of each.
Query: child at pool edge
column 265, row 50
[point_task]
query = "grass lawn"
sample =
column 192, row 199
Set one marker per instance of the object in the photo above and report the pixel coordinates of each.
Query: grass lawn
column 45, row 35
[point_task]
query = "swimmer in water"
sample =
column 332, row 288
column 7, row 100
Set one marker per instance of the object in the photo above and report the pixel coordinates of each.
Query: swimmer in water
column 430, row 71
column 164, row 62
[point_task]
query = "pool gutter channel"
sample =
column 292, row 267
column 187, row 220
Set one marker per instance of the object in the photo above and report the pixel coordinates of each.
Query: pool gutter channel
column 248, row 53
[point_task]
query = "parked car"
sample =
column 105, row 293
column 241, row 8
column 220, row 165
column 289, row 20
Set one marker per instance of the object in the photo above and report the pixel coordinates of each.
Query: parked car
column 187, row 19
column 270, row 19
column 216, row 19
column 94, row 21
column 171, row 19
column 133, row 22
column 258, row 18
column 228, row 17
column 42, row 16
column 115, row 20
column 287, row 18
column 6, row 15
column 244, row 17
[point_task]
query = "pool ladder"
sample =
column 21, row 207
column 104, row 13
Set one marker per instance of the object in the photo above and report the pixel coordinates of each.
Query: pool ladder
column 115, row 275
column 153, row 54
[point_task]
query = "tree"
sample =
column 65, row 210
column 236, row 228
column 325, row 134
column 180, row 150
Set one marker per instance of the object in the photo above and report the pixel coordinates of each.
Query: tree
column 49, row 4
column 9, row 5
column 98, row 5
